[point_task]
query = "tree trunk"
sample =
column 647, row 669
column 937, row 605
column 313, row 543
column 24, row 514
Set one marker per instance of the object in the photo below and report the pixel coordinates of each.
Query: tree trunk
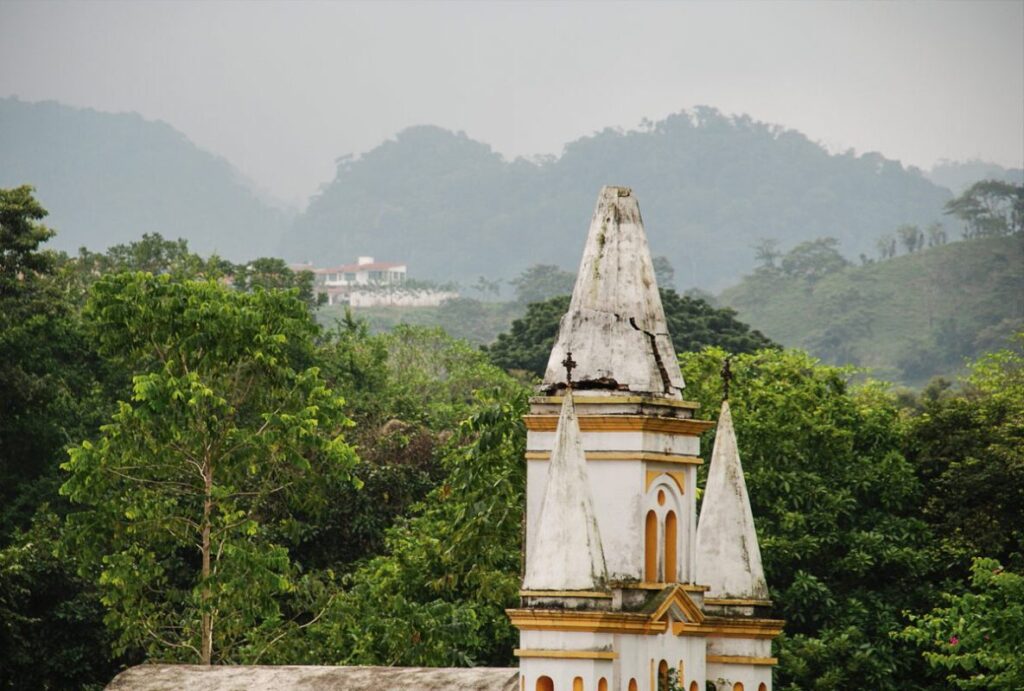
column 206, row 650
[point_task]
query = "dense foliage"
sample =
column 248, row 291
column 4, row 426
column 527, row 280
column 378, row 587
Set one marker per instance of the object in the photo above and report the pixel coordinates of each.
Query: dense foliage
column 693, row 323
column 834, row 501
column 908, row 318
column 975, row 638
column 194, row 489
column 990, row 208
column 365, row 491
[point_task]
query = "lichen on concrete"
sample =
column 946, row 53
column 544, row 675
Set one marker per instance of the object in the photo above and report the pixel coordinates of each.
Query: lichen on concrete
column 302, row 678
column 615, row 326
column 566, row 553
column 728, row 556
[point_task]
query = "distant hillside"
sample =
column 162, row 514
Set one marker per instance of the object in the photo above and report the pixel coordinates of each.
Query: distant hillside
column 959, row 175
column 907, row 318
column 108, row 178
column 709, row 186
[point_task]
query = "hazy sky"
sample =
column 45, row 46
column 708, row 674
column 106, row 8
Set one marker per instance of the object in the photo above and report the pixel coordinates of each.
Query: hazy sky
column 282, row 89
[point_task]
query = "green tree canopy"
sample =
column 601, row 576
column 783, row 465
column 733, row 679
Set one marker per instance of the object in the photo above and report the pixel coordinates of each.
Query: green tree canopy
column 407, row 390
column 990, row 208
column 21, row 234
column 195, row 487
column 969, row 450
column 975, row 638
column 438, row 592
column 813, row 259
column 541, row 282
column 53, row 385
column 272, row 273
column 835, row 506
column 692, row 322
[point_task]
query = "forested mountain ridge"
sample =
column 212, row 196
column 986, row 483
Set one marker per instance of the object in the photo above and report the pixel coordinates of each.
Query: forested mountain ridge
column 711, row 185
column 907, row 318
column 958, row 175
column 109, row 178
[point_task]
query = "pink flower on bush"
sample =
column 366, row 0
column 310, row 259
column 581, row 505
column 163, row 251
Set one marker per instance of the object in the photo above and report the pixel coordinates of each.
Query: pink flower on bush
column 953, row 640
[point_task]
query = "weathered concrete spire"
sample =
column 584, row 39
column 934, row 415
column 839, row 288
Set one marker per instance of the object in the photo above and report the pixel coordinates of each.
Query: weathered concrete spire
column 615, row 326
column 728, row 556
column 566, row 553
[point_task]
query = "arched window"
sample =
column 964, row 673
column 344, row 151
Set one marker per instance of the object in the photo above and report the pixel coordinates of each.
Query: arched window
column 633, row 686
column 694, row 686
column 762, row 687
column 662, row 676
column 651, row 546
column 738, row 686
column 602, row 684
column 545, row 684
column 671, row 530
column 577, row 684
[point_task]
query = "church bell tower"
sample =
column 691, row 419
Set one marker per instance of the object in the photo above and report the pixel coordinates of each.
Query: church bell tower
column 611, row 594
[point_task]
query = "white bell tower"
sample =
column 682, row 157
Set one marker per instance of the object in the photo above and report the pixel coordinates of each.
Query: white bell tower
column 611, row 595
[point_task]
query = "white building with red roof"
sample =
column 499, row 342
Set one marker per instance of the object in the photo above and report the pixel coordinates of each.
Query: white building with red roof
column 370, row 283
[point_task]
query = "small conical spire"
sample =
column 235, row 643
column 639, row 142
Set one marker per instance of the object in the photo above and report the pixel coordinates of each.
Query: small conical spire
column 566, row 552
column 616, row 325
column 728, row 556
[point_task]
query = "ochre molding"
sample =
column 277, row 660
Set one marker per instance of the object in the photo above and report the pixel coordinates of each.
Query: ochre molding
column 679, row 598
column 565, row 593
column 567, row 654
column 591, row 622
column 655, row 456
column 742, row 660
column 645, row 624
column 623, row 423
column 739, row 602
column 731, row 628
column 651, row 585
column 677, row 475
column 616, row 400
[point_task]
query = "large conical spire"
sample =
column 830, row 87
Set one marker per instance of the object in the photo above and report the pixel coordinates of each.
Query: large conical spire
column 728, row 556
column 566, row 552
column 615, row 326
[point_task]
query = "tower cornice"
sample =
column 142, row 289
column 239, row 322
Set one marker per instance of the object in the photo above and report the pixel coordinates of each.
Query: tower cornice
column 623, row 423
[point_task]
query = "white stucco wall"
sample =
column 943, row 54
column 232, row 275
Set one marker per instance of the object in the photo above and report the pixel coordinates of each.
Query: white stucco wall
column 620, row 496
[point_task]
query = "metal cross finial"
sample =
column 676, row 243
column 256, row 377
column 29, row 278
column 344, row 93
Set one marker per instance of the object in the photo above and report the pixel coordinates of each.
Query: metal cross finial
column 726, row 377
column 569, row 364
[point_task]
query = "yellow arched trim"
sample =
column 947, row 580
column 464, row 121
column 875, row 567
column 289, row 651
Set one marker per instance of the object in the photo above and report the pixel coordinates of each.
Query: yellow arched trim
column 677, row 475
